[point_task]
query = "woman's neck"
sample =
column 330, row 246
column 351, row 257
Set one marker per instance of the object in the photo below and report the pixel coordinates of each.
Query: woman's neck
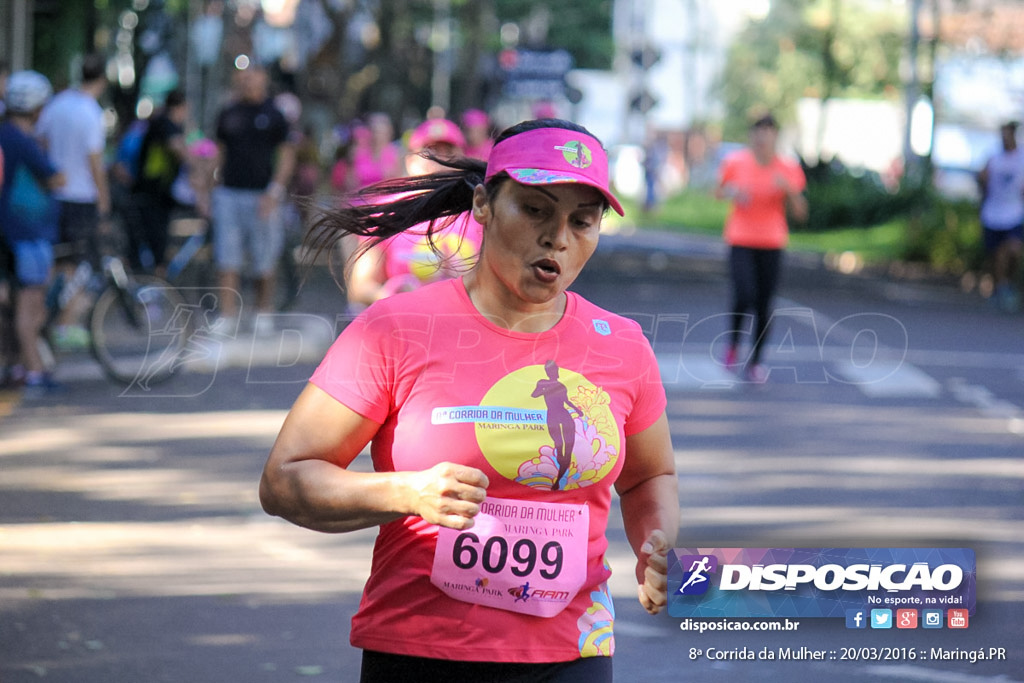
column 501, row 307
column 764, row 156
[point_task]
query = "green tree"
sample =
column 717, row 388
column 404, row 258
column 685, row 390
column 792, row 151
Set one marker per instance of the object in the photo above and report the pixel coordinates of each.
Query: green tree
column 811, row 48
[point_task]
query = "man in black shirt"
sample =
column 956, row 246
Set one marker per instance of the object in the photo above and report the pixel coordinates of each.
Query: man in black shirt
column 257, row 159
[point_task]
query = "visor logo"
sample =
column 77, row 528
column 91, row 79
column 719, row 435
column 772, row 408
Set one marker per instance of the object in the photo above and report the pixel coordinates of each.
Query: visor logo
column 576, row 154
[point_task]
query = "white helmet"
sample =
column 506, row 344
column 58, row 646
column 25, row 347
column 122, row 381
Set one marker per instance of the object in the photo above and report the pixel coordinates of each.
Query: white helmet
column 27, row 91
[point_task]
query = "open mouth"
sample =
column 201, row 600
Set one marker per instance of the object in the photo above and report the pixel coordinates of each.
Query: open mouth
column 547, row 269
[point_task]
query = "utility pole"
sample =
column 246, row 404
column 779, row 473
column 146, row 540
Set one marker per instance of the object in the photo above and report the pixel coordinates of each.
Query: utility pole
column 912, row 90
column 441, row 43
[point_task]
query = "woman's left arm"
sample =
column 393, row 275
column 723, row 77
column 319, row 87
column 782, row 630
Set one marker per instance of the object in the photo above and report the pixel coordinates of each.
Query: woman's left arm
column 649, row 497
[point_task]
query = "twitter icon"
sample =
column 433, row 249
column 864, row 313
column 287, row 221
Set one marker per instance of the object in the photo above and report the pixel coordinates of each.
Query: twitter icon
column 881, row 618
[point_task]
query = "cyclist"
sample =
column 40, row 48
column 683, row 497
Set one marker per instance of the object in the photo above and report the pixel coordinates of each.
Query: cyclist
column 28, row 216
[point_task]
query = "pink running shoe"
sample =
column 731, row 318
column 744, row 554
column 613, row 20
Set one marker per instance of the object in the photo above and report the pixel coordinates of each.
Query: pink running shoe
column 730, row 357
column 756, row 373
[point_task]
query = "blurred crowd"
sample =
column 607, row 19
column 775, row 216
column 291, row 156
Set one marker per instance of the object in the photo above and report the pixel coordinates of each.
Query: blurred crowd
column 250, row 182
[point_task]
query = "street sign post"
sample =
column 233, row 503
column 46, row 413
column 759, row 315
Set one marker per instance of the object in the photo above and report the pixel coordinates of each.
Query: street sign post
column 536, row 74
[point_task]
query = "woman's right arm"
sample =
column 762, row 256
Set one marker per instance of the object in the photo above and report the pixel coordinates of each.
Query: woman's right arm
column 305, row 479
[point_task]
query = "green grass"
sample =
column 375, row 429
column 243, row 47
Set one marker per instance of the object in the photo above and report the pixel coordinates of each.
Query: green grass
column 696, row 212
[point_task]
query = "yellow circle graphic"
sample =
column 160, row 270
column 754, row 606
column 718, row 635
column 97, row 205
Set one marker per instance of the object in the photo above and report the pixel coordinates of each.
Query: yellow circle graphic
column 550, row 428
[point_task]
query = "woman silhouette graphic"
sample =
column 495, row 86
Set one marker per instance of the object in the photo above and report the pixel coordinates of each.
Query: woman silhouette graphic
column 561, row 425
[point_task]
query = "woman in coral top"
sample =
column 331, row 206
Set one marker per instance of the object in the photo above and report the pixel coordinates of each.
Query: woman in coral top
column 489, row 563
column 762, row 187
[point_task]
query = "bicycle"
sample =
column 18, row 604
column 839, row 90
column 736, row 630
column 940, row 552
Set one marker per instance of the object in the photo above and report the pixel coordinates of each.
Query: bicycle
column 192, row 269
column 132, row 319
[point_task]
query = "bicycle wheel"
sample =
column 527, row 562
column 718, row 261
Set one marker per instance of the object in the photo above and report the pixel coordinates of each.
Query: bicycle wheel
column 139, row 330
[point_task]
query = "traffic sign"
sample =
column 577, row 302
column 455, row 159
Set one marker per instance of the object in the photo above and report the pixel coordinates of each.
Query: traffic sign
column 535, row 73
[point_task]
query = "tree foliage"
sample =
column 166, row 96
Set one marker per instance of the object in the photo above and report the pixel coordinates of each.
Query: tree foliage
column 810, row 48
column 381, row 53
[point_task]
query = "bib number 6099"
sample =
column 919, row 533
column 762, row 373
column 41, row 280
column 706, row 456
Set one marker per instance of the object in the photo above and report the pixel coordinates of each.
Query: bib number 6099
column 495, row 555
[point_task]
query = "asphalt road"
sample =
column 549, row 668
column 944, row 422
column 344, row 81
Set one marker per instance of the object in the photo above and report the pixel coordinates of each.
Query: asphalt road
column 132, row 547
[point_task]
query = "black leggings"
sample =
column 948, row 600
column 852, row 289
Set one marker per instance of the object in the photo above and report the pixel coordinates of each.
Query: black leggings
column 382, row 667
column 755, row 275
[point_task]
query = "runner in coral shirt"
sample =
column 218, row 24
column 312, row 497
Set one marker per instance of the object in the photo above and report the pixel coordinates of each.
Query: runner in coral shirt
column 762, row 186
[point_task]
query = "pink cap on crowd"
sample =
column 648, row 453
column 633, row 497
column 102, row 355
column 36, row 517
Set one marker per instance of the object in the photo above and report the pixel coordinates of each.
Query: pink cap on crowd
column 203, row 148
column 434, row 131
column 547, row 156
column 475, row 117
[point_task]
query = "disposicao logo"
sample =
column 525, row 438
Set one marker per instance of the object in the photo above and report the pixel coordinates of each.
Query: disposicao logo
column 696, row 579
column 818, row 582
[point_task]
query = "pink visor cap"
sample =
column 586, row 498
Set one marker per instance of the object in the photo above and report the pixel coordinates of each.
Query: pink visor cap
column 547, row 156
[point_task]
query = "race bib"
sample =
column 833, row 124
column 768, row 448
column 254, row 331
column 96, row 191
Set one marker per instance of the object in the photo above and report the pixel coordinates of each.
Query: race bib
column 522, row 556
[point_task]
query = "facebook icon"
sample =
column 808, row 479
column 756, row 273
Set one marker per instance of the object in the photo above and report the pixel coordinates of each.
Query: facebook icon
column 856, row 618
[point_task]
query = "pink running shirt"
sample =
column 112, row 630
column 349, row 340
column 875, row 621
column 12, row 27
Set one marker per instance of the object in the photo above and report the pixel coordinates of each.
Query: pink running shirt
column 446, row 384
column 368, row 169
column 761, row 222
column 409, row 259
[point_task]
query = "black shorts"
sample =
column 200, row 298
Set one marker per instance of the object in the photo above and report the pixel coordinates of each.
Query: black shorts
column 79, row 228
column 995, row 238
column 382, row 667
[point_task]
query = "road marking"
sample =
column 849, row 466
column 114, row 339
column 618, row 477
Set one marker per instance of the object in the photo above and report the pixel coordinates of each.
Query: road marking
column 987, row 404
column 888, row 379
column 882, row 378
column 694, row 371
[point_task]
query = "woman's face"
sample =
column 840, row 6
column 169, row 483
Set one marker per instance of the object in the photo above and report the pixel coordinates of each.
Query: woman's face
column 537, row 238
column 763, row 139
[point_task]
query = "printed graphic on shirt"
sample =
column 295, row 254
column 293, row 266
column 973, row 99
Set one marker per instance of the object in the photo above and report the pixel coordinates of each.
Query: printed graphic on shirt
column 543, row 426
column 596, row 624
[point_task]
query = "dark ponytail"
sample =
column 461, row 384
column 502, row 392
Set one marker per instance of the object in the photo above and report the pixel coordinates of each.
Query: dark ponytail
column 391, row 207
column 436, row 199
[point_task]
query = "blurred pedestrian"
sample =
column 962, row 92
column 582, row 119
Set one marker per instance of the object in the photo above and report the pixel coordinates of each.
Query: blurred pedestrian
column 762, row 186
column 655, row 156
column 5, row 72
column 257, row 160
column 28, row 219
column 124, row 171
column 376, row 155
column 419, row 255
column 476, row 125
column 305, row 181
column 163, row 158
column 1002, row 217
column 480, row 526
column 72, row 130
column 8, row 342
